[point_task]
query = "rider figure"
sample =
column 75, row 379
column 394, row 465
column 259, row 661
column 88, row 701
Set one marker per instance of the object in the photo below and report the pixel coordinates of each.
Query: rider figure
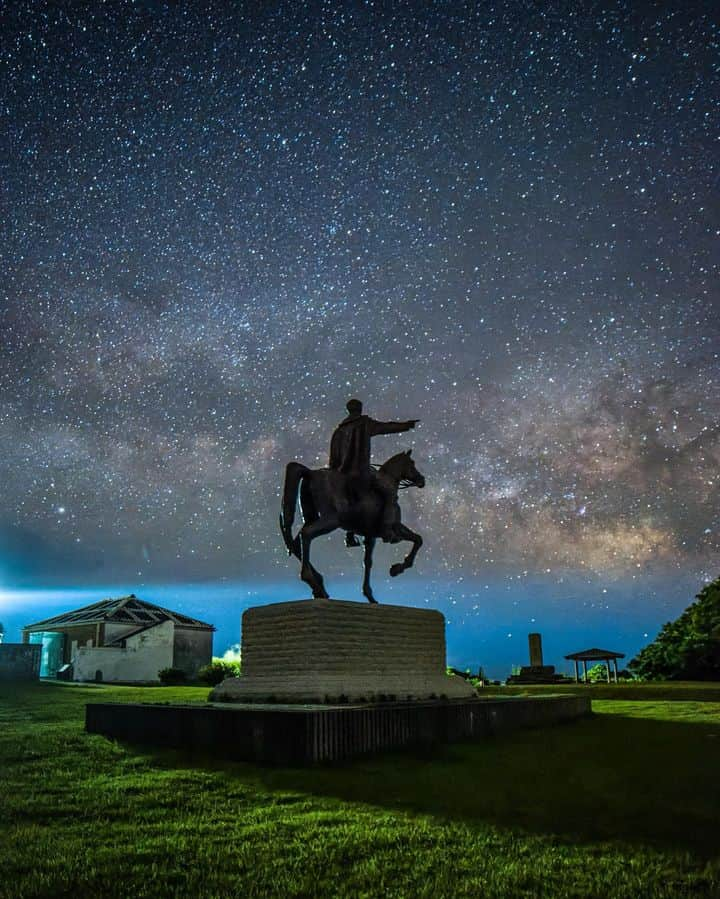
column 350, row 454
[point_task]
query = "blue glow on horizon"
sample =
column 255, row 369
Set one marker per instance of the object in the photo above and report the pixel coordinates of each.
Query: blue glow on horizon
column 487, row 623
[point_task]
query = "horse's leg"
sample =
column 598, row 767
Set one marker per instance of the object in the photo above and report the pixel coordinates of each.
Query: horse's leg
column 314, row 573
column 367, row 565
column 404, row 533
column 308, row 532
column 309, row 514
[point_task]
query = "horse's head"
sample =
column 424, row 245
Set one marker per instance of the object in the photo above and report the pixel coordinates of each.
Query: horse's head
column 402, row 468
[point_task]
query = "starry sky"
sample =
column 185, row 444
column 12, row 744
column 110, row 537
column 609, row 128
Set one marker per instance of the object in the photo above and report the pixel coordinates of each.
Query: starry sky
column 222, row 220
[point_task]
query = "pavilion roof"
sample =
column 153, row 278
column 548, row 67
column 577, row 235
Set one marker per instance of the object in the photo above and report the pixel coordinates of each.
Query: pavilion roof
column 595, row 655
column 125, row 610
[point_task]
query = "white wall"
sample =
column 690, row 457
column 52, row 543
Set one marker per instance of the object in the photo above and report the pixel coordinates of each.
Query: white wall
column 114, row 629
column 145, row 654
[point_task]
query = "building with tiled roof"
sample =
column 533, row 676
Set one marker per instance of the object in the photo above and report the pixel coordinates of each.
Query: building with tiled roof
column 124, row 640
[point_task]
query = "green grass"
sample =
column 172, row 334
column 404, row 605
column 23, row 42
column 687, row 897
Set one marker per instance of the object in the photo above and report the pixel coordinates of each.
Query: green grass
column 626, row 804
column 673, row 690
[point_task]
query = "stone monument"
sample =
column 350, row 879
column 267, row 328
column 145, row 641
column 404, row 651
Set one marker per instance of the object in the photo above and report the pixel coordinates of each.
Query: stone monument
column 328, row 650
column 535, row 645
column 325, row 679
column 536, row 672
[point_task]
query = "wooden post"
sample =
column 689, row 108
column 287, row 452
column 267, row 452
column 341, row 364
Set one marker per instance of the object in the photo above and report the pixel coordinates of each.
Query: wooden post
column 607, row 669
column 585, row 670
column 577, row 672
column 616, row 671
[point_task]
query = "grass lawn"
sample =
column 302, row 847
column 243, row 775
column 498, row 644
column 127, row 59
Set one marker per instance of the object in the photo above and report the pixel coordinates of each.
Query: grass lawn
column 626, row 804
column 624, row 690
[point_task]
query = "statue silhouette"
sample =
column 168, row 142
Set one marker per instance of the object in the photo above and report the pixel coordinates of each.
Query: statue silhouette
column 350, row 454
column 350, row 495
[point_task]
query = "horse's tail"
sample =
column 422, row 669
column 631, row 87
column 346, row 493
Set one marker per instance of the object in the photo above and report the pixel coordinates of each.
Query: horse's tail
column 294, row 473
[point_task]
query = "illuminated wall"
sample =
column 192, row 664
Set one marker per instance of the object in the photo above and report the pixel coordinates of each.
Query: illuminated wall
column 138, row 661
column 53, row 647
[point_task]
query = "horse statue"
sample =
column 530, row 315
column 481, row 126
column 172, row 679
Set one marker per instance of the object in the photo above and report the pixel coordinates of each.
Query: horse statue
column 325, row 506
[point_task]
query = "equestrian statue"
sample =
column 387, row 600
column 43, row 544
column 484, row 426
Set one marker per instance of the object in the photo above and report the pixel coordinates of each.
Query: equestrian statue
column 352, row 495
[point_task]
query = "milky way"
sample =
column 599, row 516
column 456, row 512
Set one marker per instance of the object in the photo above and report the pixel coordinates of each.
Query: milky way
column 221, row 220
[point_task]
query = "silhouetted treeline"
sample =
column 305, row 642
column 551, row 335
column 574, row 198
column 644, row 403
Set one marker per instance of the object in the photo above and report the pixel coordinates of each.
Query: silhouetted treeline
column 687, row 648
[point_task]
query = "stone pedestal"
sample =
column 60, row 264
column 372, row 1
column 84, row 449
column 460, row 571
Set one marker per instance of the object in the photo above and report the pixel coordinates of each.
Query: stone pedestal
column 330, row 651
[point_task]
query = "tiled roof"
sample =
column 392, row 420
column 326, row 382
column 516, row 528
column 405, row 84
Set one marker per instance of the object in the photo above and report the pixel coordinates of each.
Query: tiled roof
column 595, row 655
column 126, row 610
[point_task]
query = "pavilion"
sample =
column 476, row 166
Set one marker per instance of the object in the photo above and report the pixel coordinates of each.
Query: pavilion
column 596, row 655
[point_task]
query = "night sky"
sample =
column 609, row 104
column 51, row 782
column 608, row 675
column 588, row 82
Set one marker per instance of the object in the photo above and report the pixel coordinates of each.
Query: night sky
column 222, row 220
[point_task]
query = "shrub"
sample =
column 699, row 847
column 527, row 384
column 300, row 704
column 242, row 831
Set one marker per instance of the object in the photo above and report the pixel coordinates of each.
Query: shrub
column 172, row 677
column 597, row 673
column 217, row 671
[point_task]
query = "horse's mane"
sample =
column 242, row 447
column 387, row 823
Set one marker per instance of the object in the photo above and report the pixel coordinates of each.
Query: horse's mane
column 388, row 462
column 392, row 459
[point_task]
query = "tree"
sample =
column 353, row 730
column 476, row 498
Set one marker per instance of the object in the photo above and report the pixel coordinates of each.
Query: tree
column 687, row 648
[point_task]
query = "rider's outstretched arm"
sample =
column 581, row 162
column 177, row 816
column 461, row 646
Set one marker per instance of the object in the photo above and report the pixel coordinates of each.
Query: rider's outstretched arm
column 390, row 427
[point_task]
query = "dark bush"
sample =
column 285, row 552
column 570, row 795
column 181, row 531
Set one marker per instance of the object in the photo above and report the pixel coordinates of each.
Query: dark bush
column 217, row 671
column 172, row 677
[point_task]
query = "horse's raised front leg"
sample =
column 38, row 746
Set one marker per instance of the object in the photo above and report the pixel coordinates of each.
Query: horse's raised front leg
column 404, row 533
column 308, row 532
column 367, row 565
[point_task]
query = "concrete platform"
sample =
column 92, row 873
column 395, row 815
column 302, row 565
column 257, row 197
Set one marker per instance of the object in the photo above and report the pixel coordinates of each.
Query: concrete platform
column 296, row 735
column 332, row 651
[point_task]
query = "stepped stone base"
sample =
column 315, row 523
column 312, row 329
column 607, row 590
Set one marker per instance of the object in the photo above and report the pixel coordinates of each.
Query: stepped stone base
column 329, row 651
column 536, row 674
